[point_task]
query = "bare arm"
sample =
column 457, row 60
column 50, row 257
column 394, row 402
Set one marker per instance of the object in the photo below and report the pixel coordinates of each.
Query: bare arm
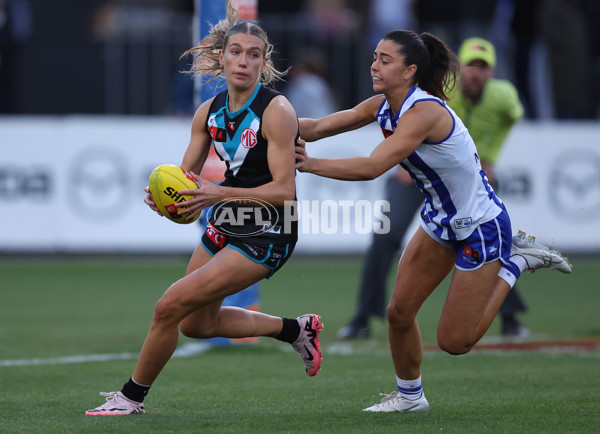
column 199, row 145
column 425, row 121
column 342, row 121
column 196, row 152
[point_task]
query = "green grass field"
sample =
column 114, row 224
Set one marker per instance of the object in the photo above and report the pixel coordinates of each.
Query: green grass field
column 55, row 308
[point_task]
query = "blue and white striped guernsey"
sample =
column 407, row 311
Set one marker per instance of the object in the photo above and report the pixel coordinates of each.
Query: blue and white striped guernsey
column 458, row 197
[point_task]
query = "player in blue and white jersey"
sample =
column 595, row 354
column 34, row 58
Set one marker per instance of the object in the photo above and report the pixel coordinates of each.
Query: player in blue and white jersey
column 464, row 225
column 253, row 129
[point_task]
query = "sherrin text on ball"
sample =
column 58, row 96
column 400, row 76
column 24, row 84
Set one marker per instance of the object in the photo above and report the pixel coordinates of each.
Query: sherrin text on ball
column 165, row 181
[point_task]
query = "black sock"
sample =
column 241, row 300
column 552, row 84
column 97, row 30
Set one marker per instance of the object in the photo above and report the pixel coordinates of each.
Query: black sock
column 135, row 392
column 290, row 330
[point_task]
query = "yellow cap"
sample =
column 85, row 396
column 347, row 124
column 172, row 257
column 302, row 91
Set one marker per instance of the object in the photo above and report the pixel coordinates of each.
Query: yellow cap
column 477, row 49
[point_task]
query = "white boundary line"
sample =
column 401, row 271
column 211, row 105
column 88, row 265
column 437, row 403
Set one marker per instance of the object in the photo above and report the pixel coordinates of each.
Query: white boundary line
column 187, row 350
column 192, row 349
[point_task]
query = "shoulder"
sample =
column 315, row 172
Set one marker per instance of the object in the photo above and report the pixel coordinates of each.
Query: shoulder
column 372, row 105
column 201, row 115
column 279, row 104
column 426, row 112
column 433, row 106
column 421, row 100
column 375, row 101
column 266, row 93
column 279, row 118
column 420, row 96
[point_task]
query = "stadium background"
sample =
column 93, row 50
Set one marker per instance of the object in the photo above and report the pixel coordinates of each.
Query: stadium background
column 91, row 100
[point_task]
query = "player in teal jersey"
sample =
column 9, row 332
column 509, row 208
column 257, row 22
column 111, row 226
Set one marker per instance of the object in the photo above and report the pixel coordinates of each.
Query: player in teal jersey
column 260, row 169
column 489, row 107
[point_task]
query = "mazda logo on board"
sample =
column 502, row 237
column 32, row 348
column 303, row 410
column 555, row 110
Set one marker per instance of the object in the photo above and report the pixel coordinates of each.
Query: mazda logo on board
column 575, row 184
column 98, row 183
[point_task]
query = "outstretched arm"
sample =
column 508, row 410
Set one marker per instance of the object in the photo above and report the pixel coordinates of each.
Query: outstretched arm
column 342, row 121
column 425, row 121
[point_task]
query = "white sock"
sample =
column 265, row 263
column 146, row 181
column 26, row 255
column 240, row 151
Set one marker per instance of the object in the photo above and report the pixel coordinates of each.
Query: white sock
column 410, row 389
column 519, row 261
column 507, row 276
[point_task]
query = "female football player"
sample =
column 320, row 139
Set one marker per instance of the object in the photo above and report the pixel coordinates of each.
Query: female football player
column 253, row 129
column 464, row 225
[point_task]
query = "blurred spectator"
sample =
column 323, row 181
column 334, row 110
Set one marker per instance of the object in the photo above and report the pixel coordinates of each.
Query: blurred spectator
column 453, row 20
column 333, row 16
column 308, row 90
column 16, row 24
column 385, row 15
column 523, row 25
column 278, row 6
column 567, row 27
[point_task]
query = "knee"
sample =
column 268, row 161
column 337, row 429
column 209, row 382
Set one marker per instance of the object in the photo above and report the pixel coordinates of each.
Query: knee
column 166, row 311
column 399, row 317
column 454, row 343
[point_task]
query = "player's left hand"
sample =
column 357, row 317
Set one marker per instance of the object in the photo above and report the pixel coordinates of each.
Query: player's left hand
column 149, row 200
column 206, row 194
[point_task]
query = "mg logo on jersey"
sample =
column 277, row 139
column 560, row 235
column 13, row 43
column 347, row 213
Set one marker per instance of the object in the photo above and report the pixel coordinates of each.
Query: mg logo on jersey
column 248, row 138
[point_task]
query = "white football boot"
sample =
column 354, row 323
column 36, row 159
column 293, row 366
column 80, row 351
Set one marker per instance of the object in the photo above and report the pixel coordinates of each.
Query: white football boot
column 537, row 255
column 116, row 405
column 396, row 402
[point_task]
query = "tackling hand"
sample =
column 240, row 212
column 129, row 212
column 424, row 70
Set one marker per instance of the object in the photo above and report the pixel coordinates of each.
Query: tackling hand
column 302, row 158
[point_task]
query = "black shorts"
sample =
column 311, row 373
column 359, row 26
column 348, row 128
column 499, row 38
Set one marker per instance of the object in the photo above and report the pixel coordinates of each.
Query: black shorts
column 269, row 253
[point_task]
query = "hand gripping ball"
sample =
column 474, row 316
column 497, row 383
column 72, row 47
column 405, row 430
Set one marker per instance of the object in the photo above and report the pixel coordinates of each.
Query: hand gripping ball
column 165, row 181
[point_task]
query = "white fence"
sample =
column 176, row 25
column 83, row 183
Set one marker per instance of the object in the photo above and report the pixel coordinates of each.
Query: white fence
column 75, row 185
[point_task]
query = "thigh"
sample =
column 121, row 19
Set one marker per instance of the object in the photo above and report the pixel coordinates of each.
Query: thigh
column 200, row 293
column 468, row 297
column 198, row 259
column 423, row 265
column 475, row 280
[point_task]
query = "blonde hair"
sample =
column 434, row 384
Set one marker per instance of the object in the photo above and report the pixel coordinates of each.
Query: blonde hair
column 206, row 54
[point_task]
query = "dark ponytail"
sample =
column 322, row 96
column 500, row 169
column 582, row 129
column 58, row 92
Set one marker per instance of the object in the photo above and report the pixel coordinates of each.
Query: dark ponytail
column 437, row 65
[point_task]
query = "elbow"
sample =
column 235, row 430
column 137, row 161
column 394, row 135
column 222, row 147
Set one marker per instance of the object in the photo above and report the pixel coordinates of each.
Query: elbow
column 370, row 172
column 369, row 176
column 289, row 195
column 284, row 195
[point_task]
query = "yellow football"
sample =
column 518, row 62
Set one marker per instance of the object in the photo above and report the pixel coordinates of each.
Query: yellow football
column 165, row 181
